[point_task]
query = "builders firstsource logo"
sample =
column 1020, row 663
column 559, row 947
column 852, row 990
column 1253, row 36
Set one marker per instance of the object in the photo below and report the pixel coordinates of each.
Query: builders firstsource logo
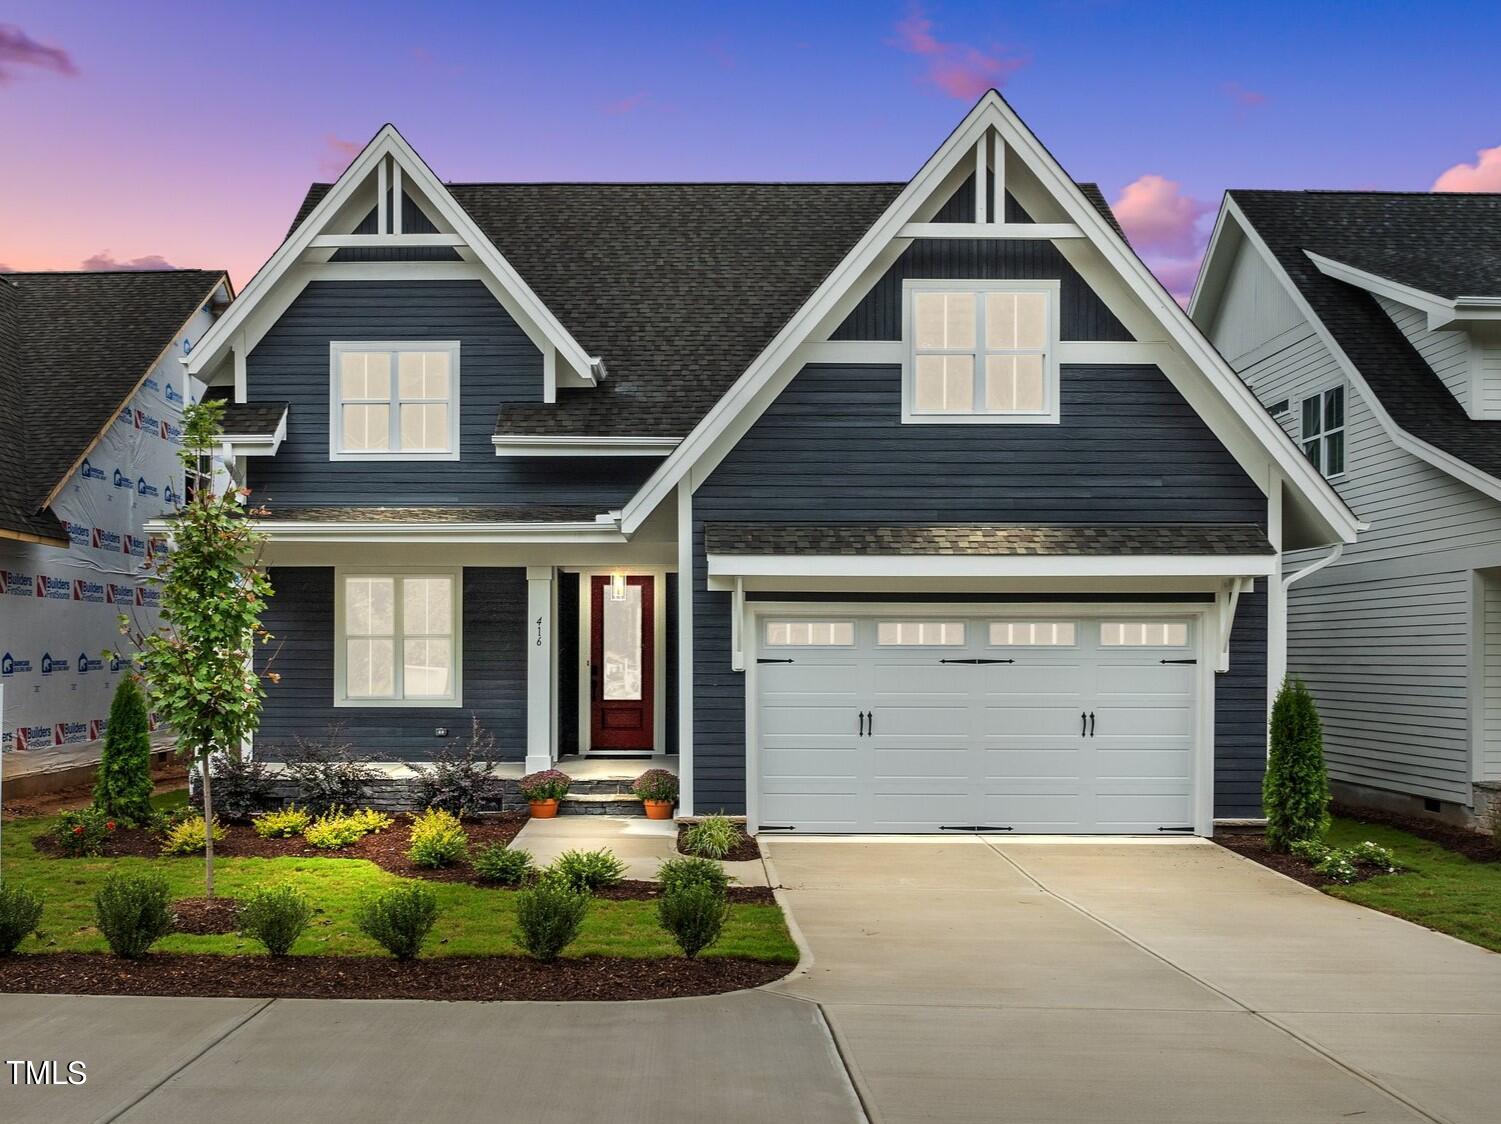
column 85, row 590
column 9, row 666
column 135, row 546
column 171, row 432
column 67, row 733
column 90, row 471
column 50, row 665
column 33, row 737
column 97, row 728
column 15, row 583
column 78, row 534
column 143, row 420
column 103, row 539
column 148, row 597
column 59, row 589
column 119, row 594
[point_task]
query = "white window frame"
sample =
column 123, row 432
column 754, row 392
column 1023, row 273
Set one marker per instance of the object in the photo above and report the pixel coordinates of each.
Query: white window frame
column 1343, row 429
column 1144, row 620
column 455, row 698
column 828, row 620
column 1048, row 415
column 1075, row 624
column 942, row 622
column 336, row 451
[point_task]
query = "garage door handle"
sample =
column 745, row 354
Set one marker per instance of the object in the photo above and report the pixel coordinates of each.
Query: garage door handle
column 1083, row 724
column 1091, row 723
column 976, row 661
column 870, row 723
column 1177, row 661
column 764, row 659
column 861, row 724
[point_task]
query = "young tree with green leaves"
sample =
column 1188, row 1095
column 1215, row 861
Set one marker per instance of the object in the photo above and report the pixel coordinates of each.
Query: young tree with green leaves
column 198, row 661
column 1295, row 790
column 123, row 786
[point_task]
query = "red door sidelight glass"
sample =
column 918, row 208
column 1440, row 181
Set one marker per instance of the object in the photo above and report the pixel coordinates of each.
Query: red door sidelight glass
column 621, row 662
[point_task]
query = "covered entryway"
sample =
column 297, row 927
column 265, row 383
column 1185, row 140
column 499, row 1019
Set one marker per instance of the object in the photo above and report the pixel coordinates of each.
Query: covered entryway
column 965, row 719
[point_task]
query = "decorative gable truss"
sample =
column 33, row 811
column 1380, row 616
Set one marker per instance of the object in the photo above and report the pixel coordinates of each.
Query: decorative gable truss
column 994, row 146
column 387, row 172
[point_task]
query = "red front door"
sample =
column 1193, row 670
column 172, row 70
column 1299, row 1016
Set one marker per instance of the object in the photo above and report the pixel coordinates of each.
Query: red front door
column 621, row 661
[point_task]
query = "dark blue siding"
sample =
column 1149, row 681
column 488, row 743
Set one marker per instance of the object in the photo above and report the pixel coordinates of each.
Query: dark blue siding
column 301, row 618
column 497, row 363
column 1240, row 696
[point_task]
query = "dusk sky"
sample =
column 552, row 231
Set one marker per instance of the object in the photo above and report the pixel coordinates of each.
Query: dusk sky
column 186, row 133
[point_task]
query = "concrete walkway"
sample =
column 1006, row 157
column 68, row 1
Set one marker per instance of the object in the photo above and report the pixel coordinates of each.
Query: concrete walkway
column 1170, row 983
column 641, row 843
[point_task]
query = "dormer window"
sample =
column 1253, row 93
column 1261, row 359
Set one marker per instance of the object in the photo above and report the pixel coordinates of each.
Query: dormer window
column 980, row 351
column 394, row 401
column 1324, row 430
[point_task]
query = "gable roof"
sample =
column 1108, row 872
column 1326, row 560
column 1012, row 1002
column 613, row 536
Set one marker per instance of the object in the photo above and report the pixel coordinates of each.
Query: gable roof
column 73, row 348
column 1423, row 241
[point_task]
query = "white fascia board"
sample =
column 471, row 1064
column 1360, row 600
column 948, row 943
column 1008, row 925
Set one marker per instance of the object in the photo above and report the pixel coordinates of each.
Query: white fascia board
column 389, row 142
column 730, row 566
column 1214, row 268
column 1435, row 306
column 531, row 446
column 256, row 444
column 991, row 112
column 307, row 531
column 1038, row 231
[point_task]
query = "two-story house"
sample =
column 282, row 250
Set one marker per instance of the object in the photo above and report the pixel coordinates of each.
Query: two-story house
column 1369, row 325
column 884, row 506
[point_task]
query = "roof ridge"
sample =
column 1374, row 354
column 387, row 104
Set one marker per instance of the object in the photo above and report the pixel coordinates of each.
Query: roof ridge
column 1362, row 191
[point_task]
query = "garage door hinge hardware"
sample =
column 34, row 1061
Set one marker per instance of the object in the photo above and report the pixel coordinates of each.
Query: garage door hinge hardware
column 1177, row 661
column 1175, row 829
column 766, row 659
column 976, row 661
column 970, row 827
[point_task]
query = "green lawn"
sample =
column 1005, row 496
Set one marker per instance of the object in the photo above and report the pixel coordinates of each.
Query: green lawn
column 473, row 920
column 1439, row 889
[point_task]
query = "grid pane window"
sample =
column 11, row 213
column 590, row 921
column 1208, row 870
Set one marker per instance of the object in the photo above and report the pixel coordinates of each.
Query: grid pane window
column 395, row 398
column 1144, row 634
column 399, row 637
column 981, row 353
column 1323, row 432
column 810, row 634
column 926, row 634
column 1033, row 633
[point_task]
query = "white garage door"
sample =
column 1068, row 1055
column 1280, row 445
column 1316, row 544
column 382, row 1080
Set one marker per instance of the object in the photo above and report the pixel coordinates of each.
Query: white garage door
column 955, row 722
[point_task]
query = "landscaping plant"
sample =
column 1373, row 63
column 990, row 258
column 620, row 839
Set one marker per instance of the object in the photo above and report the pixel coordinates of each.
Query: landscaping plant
column 84, row 832
column 338, row 828
column 1345, row 864
column 461, row 777
column 679, row 874
column 132, row 911
column 276, row 916
column 122, row 789
column 283, row 824
column 328, row 774
column 200, row 660
column 20, row 914
column 713, row 837
column 656, row 785
column 548, row 916
column 241, row 786
column 399, row 919
column 694, row 915
column 509, row 866
column 586, row 871
column 548, row 784
column 1295, row 791
column 187, row 837
column 438, row 839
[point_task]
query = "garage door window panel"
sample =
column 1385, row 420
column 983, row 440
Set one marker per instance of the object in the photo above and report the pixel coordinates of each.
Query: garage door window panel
column 920, row 634
column 1144, row 634
column 810, row 634
column 1033, row 634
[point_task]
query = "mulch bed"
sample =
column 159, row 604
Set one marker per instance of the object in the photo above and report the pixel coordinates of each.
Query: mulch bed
column 360, row 977
column 1253, row 846
column 205, row 916
column 745, row 851
column 1451, row 837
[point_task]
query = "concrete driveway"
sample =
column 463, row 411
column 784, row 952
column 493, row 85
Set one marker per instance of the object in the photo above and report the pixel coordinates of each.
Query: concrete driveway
column 982, row 980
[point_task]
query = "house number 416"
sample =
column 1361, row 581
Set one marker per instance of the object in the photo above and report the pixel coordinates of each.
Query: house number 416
column 539, row 632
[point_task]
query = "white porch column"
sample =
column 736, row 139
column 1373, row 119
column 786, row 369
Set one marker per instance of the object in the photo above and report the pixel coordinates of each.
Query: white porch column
column 1276, row 598
column 541, row 705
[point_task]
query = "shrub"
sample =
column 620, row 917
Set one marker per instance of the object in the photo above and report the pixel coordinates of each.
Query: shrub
column 132, row 911
column 369, row 821
column 122, row 789
column 713, row 837
column 1374, row 856
column 1345, row 864
column 548, row 916
column 284, row 824
column 327, row 773
column 1338, row 866
column 509, row 866
column 656, row 784
column 336, row 828
column 186, row 837
column 549, row 784
column 399, row 919
column 1310, row 850
column 679, row 874
column 20, row 913
column 461, row 778
column 84, row 832
column 586, row 871
column 276, row 916
column 241, row 787
column 437, row 839
column 694, row 915
column 1295, row 791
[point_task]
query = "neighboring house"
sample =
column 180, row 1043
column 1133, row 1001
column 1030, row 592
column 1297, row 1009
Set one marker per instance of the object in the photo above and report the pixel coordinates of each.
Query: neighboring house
column 1369, row 324
column 886, row 507
column 91, row 391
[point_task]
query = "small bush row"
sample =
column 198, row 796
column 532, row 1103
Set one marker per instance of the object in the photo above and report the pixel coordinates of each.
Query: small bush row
column 1345, row 864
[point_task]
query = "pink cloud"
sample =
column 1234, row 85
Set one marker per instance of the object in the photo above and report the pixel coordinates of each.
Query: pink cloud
column 1242, row 97
column 1158, row 217
column 338, row 154
column 1483, row 175
column 103, row 263
column 19, row 49
column 1177, row 275
column 628, row 104
column 6, row 268
column 959, row 70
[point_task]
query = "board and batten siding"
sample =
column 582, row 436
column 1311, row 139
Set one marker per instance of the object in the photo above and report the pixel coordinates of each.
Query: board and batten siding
column 300, row 615
column 832, row 448
column 497, row 364
column 1381, row 637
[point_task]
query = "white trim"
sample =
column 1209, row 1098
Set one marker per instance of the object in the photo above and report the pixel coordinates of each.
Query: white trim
column 725, row 567
column 508, row 445
column 1227, row 601
column 1344, row 409
column 337, row 348
column 658, row 575
column 1036, row 231
column 1475, row 697
column 384, row 241
column 255, row 444
column 292, row 530
column 540, row 641
column 884, row 239
column 455, row 575
column 1442, row 311
column 685, row 648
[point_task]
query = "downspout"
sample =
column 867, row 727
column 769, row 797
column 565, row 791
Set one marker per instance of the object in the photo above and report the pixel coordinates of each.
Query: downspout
column 1314, row 567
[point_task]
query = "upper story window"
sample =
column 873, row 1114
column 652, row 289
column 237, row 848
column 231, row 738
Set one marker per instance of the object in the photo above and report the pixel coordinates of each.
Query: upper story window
column 394, row 401
column 981, row 351
column 1324, row 430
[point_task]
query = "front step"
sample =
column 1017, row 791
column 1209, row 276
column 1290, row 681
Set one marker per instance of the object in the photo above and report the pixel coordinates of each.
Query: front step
column 601, row 803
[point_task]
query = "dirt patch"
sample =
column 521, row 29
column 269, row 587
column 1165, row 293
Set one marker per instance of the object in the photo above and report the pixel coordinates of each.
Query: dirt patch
column 1460, row 840
column 361, row 977
column 745, row 851
column 205, row 916
column 634, row 891
column 1254, row 847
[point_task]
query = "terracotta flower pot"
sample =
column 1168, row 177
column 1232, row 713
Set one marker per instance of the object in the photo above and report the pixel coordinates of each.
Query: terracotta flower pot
column 658, row 809
column 543, row 809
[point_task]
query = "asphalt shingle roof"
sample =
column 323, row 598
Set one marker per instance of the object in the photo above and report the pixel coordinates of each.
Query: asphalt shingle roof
column 247, row 419
column 73, row 348
column 985, row 538
column 531, row 513
column 1428, row 241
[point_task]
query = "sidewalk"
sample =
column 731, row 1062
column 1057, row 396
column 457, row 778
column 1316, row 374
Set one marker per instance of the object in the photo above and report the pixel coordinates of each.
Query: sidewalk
column 641, row 843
